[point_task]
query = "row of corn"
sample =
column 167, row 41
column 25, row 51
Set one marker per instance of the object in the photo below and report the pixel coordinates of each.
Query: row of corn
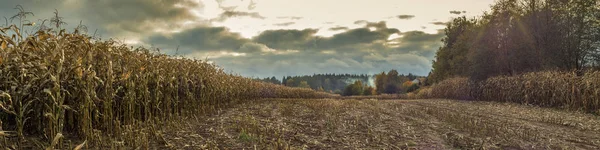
column 547, row 89
column 53, row 83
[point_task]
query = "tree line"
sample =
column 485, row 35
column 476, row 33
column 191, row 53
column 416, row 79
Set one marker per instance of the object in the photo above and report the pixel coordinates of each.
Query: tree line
column 386, row 83
column 333, row 83
column 353, row 84
column 519, row 36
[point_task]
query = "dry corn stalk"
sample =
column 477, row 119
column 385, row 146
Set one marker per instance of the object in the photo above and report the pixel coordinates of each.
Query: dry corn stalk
column 81, row 85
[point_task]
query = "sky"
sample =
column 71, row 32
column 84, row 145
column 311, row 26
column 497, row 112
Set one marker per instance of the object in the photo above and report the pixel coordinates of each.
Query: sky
column 264, row 38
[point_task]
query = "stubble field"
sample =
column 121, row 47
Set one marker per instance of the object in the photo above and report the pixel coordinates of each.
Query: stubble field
column 383, row 124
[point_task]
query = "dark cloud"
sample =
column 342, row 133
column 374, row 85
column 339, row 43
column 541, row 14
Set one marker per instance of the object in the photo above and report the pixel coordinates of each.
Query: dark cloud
column 405, row 17
column 286, row 39
column 456, row 12
column 252, row 47
column 230, row 14
column 337, row 61
column 7, row 8
column 354, row 36
column 439, row 23
column 307, row 40
column 358, row 36
column 338, row 28
column 293, row 52
column 136, row 15
column 200, row 39
column 111, row 18
column 284, row 24
column 289, row 17
column 377, row 25
column 419, row 42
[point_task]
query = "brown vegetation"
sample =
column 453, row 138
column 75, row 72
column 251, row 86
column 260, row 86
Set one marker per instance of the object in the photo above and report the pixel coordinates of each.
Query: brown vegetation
column 548, row 89
column 55, row 84
column 386, row 124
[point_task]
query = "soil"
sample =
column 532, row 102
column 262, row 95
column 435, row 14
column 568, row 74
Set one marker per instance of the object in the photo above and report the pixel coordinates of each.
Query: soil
column 384, row 124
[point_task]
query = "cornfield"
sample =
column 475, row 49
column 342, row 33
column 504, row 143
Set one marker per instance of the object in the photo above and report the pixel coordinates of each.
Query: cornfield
column 455, row 88
column 547, row 89
column 58, row 83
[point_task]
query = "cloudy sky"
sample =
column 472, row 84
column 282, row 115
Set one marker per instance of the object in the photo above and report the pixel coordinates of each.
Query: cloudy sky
column 262, row 38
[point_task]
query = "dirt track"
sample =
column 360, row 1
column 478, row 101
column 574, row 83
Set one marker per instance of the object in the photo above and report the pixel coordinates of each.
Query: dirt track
column 386, row 124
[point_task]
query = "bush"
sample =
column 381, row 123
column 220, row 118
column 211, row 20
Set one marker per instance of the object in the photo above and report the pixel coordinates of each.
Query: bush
column 356, row 88
column 424, row 92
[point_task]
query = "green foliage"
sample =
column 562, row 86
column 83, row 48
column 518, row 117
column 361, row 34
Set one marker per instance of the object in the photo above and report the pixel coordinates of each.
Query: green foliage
column 290, row 83
column 269, row 80
column 329, row 82
column 369, row 90
column 303, row 84
column 357, row 88
column 412, row 88
column 391, row 83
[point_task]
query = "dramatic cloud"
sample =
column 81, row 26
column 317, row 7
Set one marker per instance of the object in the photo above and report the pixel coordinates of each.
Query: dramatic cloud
column 205, row 29
column 418, row 42
column 230, row 14
column 286, row 39
column 338, row 28
column 199, row 39
column 367, row 49
column 305, row 39
column 405, row 17
column 112, row 17
column 252, row 47
column 358, row 36
column 137, row 15
column 284, row 24
column 456, row 12
column 37, row 7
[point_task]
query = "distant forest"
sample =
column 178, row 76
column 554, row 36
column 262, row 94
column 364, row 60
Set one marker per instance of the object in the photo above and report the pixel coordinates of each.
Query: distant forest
column 334, row 83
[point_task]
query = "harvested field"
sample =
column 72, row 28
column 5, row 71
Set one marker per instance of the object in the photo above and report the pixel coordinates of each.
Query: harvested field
column 384, row 124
